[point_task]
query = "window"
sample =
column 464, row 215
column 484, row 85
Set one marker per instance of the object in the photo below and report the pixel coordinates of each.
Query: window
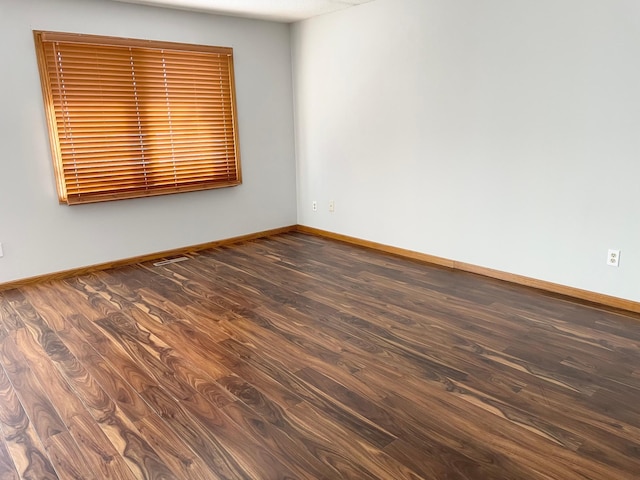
column 134, row 118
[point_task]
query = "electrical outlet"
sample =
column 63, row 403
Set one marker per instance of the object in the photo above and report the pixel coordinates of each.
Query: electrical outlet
column 314, row 206
column 332, row 206
column 613, row 258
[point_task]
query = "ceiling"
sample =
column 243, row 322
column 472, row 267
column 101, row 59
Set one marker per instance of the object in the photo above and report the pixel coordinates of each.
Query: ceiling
column 275, row 10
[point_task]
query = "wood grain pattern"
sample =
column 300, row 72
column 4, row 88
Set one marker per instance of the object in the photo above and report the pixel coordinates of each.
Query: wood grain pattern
column 565, row 290
column 299, row 357
column 142, row 258
column 23, row 445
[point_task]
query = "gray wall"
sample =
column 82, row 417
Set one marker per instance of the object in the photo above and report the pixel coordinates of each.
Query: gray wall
column 503, row 133
column 499, row 133
column 40, row 236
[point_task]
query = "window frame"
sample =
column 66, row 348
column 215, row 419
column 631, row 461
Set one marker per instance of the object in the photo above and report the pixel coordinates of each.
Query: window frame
column 53, row 116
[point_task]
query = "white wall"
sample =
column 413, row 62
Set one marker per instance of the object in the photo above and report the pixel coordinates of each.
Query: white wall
column 503, row 133
column 40, row 236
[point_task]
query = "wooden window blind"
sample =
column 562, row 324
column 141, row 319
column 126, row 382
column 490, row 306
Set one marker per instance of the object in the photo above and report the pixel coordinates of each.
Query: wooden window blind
column 131, row 118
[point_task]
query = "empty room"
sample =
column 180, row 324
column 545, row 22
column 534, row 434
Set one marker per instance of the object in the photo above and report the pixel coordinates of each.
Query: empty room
column 320, row 239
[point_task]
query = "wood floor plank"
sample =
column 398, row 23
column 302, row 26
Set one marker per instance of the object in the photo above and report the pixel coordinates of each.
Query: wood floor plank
column 97, row 449
column 38, row 407
column 25, row 448
column 10, row 318
column 363, row 461
column 51, row 307
column 85, row 442
column 101, row 373
column 140, row 457
column 298, row 357
column 67, row 459
column 256, row 459
column 7, row 468
column 288, row 450
column 172, row 449
column 359, row 425
column 145, row 352
column 201, row 439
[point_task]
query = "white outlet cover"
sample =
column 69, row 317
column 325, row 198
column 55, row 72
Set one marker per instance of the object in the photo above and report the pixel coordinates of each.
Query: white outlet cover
column 613, row 258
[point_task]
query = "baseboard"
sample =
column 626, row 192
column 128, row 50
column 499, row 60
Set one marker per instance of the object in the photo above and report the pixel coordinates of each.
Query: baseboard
column 143, row 258
column 574, row 293
column 401, row 252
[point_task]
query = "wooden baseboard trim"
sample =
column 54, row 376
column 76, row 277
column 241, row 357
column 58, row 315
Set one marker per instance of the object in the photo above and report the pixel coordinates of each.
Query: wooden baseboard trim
column 381, row 247
column 572, row 292
column 144, row 258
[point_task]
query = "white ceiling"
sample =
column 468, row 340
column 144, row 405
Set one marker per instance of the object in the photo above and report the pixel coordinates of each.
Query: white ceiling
column 276, row 10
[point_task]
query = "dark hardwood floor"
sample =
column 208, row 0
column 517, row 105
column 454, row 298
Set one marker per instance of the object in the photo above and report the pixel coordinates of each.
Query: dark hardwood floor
column 300, row 357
